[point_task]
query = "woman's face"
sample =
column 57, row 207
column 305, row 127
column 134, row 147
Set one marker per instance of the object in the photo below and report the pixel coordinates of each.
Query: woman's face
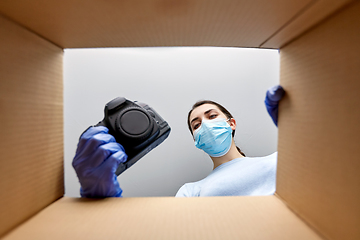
column 208, row 112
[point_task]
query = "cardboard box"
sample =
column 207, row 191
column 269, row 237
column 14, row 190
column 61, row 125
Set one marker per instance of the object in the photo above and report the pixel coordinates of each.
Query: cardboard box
column 318, row 180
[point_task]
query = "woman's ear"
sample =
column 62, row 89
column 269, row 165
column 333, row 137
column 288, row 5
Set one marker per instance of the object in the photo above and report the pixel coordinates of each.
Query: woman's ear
column 232, row 123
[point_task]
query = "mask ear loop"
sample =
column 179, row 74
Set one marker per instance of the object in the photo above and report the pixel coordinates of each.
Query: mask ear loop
column 231, row 129
column 228, row 120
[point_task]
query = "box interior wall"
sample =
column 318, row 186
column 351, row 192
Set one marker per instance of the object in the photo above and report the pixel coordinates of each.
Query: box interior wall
column 317, row 180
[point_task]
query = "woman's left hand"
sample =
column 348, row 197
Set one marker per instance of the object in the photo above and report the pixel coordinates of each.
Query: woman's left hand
column 273, row 96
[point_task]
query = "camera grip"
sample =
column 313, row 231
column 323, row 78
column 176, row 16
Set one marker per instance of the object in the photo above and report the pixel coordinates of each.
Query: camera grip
column 101, row 123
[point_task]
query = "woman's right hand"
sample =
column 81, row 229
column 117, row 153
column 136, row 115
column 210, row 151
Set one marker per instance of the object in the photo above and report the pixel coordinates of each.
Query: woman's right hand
column 98, row 155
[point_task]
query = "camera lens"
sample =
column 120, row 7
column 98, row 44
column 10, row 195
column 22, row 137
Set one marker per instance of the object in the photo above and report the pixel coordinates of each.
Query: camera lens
column 134, row 124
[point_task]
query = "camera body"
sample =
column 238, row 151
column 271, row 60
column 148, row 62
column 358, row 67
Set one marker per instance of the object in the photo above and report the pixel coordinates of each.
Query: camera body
column 136, row 126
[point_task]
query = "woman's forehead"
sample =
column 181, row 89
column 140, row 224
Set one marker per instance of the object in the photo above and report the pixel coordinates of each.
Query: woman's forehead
column 200, row 110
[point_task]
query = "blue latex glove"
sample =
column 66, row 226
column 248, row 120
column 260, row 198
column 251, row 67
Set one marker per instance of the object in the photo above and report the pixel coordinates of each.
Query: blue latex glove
column 273, row 96
column 97, row 158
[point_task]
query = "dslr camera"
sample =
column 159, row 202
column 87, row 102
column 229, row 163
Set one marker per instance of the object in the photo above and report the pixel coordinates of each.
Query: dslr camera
column 136, row 126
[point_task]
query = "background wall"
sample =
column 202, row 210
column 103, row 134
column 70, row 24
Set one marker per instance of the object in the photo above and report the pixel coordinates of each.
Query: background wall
column 170, row 80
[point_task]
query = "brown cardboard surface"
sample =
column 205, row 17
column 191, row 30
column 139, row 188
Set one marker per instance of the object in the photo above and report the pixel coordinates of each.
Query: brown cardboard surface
column 311, row 15
column 166, row 218
column 91, row 23
column 31, row 120
column 319, row 131
column 318, row 126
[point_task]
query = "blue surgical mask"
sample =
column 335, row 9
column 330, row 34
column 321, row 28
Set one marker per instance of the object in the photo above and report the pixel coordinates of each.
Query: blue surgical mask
column 214, row 137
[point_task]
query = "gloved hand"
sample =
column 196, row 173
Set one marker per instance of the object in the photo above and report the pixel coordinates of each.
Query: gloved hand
column 97, row 158
column 273, row 96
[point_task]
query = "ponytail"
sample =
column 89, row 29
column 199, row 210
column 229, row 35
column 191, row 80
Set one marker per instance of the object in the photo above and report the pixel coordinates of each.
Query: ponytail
column 240, row 151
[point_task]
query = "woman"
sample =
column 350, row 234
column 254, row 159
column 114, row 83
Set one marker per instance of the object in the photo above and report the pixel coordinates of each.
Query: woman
column 213, row 129
column 98, row 156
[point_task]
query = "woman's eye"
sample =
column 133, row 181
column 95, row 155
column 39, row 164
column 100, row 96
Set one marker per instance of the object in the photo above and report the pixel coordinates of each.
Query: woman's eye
column 196, row 126
column 213, row 116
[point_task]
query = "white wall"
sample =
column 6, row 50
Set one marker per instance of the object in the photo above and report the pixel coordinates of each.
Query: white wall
column 170, row 80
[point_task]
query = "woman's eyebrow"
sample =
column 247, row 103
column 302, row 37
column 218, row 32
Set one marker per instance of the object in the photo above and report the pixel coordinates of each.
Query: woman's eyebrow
column 194, row 120
column 206, row 112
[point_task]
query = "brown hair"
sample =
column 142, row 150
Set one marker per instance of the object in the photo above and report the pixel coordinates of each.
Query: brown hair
column 222, row 109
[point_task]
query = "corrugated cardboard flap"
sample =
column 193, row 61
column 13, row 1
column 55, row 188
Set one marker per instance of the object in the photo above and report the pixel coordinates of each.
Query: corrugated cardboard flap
column 31, row 108
column 166, row 218
column 142, row 23
column 319, row 126
column 316, row 122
